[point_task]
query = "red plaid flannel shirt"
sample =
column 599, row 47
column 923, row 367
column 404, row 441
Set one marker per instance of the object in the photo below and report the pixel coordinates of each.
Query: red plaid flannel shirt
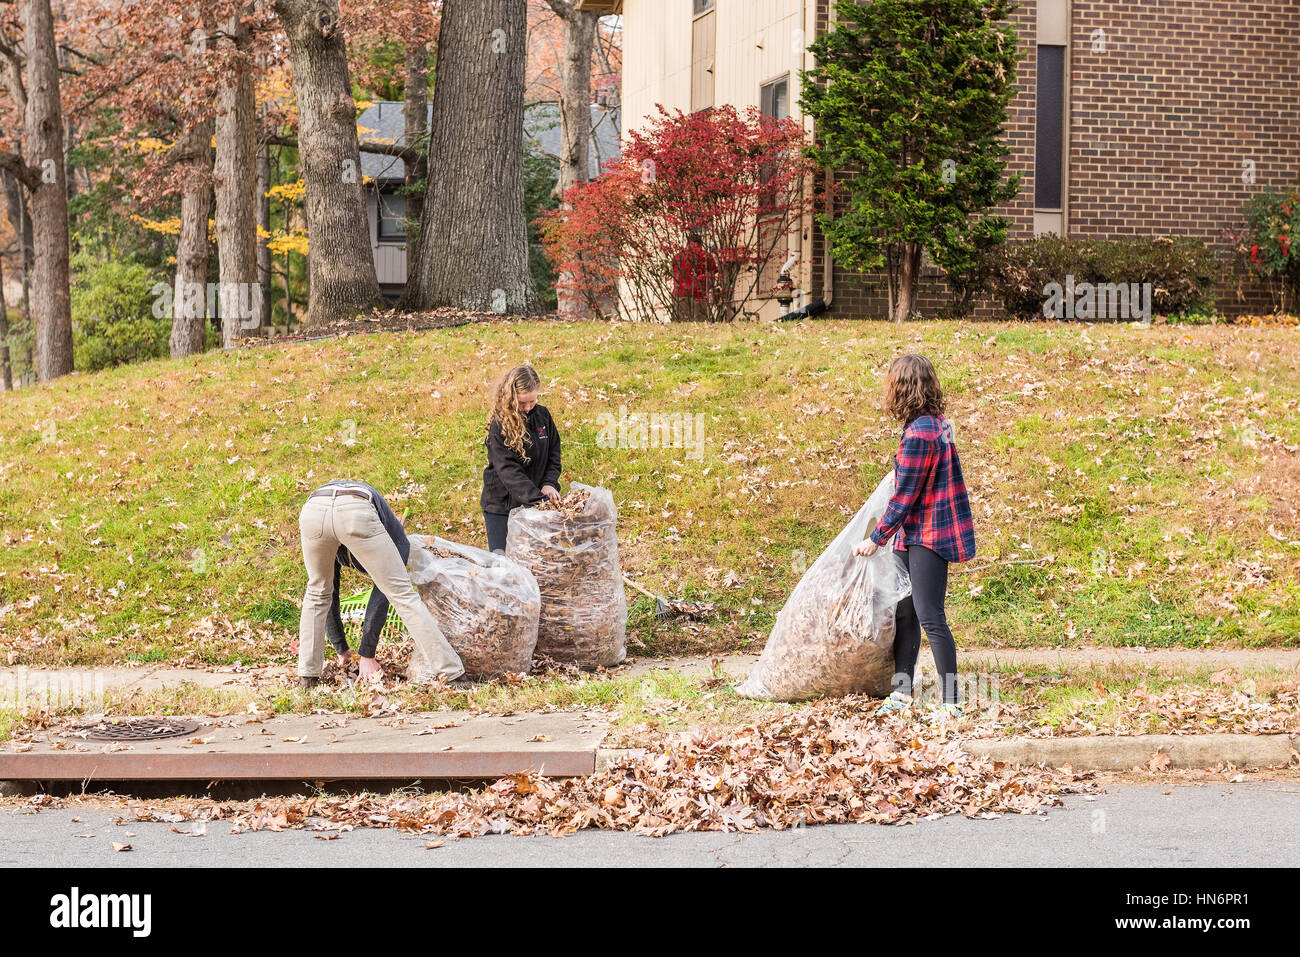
column 930, row 504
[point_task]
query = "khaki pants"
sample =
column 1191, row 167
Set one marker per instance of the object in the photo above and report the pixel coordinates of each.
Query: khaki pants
column 330, row 521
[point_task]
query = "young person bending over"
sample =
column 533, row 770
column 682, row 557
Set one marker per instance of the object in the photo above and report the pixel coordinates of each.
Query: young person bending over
column 349, row 523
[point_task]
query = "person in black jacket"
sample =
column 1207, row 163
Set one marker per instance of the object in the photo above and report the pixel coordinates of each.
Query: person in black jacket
column 523, row 449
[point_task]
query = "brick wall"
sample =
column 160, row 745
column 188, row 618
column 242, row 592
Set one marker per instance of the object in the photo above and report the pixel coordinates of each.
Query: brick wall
column 1160, row 124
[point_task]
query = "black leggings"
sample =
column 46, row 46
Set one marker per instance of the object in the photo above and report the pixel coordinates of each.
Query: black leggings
column 497, row 527
column 924, row 609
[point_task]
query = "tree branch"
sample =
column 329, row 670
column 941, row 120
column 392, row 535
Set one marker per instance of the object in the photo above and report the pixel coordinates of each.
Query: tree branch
column 405, row 153
column 29, row 176
column 562, row 8
column 97, row 61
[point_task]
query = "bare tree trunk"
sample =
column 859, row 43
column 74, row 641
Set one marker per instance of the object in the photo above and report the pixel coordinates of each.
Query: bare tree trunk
column 52, row 308
column 474, row 240
column 75, row 175
column 416, row 114
column 21, row 220
column 263, row 229
column 6, row 370
column 909, row 277
column 189, row 298
column 235, row 179
column 341, row 262
column 575, row 93
column 575, row 121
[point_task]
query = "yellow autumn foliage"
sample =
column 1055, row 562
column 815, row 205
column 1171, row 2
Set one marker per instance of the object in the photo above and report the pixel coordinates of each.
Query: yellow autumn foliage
column 168, row 227
column 292, row 192
column 294, row 241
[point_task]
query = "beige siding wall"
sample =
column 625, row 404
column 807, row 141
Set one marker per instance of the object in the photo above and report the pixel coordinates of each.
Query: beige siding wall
column 756, row 41
column 390, row 258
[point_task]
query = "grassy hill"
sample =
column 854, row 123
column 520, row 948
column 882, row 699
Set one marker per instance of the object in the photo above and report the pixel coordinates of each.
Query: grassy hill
column 1137, row 487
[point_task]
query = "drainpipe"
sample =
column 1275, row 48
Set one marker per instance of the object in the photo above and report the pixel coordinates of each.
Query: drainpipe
column 828, row 265
column 828, row 277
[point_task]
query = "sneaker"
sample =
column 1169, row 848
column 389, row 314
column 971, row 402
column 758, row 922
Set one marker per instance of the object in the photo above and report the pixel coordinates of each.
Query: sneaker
column 897, row 701
column 949, row 712
column 307, row 682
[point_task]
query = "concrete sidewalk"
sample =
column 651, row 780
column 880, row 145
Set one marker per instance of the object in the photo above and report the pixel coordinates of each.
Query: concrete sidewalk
column 1063, row 659
column 81, row 685
column 320, row 747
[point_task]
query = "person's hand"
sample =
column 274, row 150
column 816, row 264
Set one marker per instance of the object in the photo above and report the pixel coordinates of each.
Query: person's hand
column 550, row 492
column 866, row 548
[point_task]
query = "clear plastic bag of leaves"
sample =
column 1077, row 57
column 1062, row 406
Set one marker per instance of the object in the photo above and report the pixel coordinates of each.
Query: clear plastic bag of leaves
column 571, row 546
column 486, row 605
column 835, row 635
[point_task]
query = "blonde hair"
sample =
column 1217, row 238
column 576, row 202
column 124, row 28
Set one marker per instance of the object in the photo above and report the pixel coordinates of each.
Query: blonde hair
column 505, row 405
column 912, row 387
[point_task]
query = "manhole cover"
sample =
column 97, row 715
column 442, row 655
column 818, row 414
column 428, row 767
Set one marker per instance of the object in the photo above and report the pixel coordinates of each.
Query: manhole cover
column 136, row 729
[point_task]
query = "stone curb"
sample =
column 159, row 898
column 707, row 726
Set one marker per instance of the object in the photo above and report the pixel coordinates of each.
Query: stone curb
column 1106, row 753
column 1123, row 753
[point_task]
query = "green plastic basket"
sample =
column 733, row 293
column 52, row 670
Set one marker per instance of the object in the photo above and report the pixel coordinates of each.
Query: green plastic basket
column 353, row 612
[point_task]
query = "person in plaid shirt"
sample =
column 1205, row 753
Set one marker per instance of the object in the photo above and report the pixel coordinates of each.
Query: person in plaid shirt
column 930, row 516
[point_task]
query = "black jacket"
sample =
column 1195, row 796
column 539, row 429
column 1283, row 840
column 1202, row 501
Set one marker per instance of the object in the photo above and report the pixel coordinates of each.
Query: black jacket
column 392, row 524
column 509, row 481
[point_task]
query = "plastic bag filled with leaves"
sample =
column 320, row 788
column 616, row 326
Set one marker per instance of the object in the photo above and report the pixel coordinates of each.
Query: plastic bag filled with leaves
column 486, row 605
column 571, row 546
column 835, row 635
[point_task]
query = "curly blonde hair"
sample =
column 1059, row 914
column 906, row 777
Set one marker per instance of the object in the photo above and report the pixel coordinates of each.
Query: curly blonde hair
column 912, row 388
column 505, row 405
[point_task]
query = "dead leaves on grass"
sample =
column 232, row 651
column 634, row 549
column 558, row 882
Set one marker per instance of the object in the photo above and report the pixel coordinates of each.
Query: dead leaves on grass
column 1181, row 709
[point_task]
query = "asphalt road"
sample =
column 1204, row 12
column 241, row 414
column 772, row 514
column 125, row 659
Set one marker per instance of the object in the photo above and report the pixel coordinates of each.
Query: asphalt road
column 1212, row 825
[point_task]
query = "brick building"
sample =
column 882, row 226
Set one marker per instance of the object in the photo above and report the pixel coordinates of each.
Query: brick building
column 1132, row 117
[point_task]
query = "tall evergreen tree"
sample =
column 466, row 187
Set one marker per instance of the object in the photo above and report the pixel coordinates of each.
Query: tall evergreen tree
column 909, row 98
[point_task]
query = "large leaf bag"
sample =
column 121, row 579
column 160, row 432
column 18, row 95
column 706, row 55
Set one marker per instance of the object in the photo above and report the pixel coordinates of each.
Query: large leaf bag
column 835, row 635
column 571, row 546
column 486, row 605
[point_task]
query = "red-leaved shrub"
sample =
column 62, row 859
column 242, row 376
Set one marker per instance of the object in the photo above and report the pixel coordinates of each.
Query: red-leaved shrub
column 685, row 223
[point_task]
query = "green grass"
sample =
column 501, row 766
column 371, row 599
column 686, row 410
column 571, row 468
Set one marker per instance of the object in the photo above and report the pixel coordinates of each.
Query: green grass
column 1130, row 487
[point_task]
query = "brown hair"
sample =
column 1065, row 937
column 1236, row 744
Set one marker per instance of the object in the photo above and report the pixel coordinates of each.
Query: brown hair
column 505, row 405
column 912, row 388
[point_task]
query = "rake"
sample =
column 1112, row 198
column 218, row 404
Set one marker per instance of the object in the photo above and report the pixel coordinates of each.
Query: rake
column 668, row 609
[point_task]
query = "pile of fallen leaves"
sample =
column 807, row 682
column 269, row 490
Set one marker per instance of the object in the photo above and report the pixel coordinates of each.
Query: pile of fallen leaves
column 831, row 762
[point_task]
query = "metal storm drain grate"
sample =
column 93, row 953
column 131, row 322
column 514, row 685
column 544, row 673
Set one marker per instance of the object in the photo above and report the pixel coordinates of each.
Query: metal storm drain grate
column 136, row 729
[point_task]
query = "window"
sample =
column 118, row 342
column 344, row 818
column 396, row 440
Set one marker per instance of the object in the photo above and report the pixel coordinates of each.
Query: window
column 1049, row 160
column 774, row 101
column 392, row 217
column 774, row 98
column 704, row 31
